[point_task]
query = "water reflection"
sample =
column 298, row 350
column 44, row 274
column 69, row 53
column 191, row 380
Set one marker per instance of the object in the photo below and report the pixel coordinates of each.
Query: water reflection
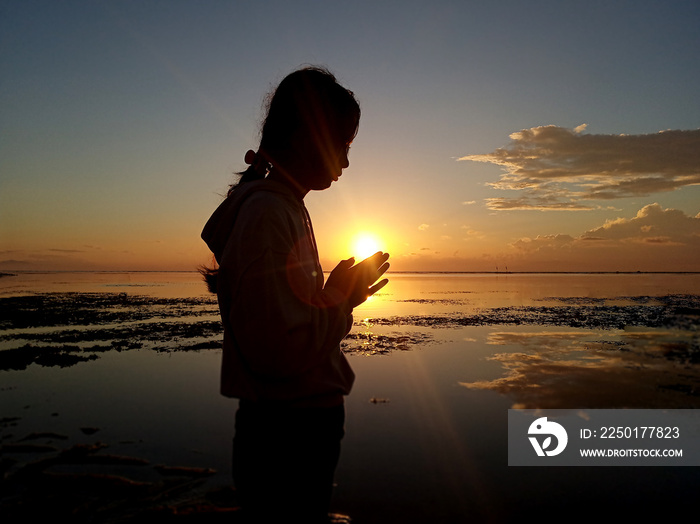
column 594, row 369
column 419, row 446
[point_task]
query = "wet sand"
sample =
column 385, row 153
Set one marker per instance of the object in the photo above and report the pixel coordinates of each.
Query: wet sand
column 48, row 475
column 62, row 329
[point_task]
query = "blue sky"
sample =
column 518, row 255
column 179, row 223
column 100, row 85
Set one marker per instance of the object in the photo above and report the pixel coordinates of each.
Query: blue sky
column 122, row 123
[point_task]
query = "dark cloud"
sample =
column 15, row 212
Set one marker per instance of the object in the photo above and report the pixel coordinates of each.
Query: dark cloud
column 534, row 203
column 556, row 167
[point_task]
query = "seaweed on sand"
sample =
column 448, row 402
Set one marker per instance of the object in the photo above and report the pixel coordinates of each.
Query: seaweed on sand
column 63, row 329
column 675, row 311
column 88, row 324
column 369, row 343
column 87, row 309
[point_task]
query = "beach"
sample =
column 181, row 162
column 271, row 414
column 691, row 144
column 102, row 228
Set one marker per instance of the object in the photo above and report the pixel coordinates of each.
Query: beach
column 109, row 391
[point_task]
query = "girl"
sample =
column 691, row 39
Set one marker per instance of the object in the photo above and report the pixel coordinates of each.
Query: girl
column 282, row 324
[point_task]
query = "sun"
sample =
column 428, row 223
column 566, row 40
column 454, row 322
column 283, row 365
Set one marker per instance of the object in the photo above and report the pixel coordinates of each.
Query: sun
column 365, row 245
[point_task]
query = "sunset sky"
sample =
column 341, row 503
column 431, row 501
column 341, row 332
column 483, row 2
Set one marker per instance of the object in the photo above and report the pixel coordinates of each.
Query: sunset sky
column 541, row 136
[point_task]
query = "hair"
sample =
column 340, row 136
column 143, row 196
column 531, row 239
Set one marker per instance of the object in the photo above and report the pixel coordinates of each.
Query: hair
column 308, row 102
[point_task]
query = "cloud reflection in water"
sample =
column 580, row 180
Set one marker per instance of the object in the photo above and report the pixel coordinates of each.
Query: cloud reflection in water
column 593, row 369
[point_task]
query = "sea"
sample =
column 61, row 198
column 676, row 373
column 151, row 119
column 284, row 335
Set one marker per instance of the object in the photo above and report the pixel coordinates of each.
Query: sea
column 126, row 364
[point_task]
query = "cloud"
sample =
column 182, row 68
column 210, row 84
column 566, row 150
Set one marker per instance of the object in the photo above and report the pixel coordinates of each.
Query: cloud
column 11, row 263
column 59, row 259
column 651, row 224
column 534, row 202
column 649, row 238
column 556, row 167
column 423, row 227
column 655, row 239
column 544, row 242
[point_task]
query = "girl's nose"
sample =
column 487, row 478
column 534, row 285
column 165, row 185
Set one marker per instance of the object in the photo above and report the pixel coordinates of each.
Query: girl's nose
column 344, row 160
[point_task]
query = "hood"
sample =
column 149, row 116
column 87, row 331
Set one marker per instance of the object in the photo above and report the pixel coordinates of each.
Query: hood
column 219, row 226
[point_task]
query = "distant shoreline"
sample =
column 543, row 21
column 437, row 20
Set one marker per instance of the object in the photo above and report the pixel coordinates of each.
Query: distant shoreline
column 115, row 271
column 545, row 272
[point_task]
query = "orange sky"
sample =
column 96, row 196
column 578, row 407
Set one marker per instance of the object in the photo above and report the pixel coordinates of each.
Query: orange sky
column 490, row 136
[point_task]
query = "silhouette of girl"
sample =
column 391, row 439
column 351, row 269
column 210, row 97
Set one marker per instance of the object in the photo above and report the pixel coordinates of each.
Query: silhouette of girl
column 282, row 324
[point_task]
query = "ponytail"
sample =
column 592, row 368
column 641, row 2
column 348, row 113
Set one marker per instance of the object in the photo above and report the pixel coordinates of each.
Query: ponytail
column 210, row 275
column 258, row 167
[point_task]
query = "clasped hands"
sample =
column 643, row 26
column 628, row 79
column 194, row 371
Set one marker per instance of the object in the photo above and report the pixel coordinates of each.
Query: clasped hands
column 357, row 281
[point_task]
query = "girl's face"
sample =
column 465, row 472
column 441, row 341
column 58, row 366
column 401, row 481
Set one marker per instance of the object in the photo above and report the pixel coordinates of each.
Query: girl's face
column 319, row 167
column 333, row 165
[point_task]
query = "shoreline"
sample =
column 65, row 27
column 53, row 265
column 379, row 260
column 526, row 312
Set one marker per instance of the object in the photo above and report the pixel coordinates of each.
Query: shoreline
column 18, row 272
column 135, row 433
column 79, row 327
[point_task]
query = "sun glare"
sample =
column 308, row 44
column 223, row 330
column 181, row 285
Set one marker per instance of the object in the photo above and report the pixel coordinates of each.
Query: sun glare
column 365, row 245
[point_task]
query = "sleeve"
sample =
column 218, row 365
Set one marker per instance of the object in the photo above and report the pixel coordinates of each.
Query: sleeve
column 283, row 321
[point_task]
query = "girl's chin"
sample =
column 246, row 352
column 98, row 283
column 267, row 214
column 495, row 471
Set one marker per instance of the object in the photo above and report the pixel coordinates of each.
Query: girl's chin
column 323, row 181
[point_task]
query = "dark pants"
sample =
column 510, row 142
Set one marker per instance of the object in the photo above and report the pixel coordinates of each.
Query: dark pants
column 284, row 459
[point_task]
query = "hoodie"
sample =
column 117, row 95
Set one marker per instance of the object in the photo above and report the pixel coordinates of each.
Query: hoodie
column 282, row 329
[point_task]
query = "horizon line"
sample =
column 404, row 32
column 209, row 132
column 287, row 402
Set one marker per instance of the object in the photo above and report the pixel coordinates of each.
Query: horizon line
column 580, row 272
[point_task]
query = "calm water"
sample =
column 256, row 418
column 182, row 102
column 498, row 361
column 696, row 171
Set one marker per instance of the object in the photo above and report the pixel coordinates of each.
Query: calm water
column 439, row 359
